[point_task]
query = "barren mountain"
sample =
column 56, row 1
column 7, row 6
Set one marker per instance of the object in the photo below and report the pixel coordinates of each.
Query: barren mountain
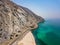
column 15, row 22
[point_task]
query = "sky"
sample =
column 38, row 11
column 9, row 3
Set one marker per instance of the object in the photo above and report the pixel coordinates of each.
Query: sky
column 44, row 8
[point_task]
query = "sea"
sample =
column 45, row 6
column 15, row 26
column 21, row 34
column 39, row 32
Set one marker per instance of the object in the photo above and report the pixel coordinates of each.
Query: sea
column 48, row 33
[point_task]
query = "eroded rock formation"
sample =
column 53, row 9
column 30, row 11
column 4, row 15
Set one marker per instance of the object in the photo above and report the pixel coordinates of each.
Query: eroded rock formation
column 15, row 22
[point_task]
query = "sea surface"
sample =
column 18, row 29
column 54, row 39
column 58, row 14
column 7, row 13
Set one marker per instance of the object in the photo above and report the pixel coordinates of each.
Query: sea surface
column 48, row 33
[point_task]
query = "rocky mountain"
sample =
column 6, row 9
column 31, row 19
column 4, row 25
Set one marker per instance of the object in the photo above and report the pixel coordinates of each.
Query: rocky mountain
column 15, row 22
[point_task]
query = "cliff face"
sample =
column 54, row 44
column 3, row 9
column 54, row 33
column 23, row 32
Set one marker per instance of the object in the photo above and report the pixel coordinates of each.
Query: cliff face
column 15, row 22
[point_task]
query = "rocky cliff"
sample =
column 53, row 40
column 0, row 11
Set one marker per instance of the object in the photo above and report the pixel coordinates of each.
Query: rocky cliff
column 15, row 22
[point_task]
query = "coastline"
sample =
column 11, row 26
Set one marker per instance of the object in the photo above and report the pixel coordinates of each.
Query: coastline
column 27, row 40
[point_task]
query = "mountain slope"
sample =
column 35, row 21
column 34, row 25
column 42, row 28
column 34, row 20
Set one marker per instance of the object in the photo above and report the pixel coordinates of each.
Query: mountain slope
column 15, row 22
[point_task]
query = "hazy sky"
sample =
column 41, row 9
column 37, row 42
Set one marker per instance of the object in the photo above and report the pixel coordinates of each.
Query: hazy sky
column 44, row 8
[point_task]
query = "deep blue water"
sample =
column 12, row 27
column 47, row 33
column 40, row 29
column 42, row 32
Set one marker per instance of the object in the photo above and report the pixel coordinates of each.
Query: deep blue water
column 48, row 33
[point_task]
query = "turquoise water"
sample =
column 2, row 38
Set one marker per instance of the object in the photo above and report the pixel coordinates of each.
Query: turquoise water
column 48, row 33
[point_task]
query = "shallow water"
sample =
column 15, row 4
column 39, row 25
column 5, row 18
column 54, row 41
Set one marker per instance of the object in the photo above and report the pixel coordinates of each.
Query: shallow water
column 48, row 33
